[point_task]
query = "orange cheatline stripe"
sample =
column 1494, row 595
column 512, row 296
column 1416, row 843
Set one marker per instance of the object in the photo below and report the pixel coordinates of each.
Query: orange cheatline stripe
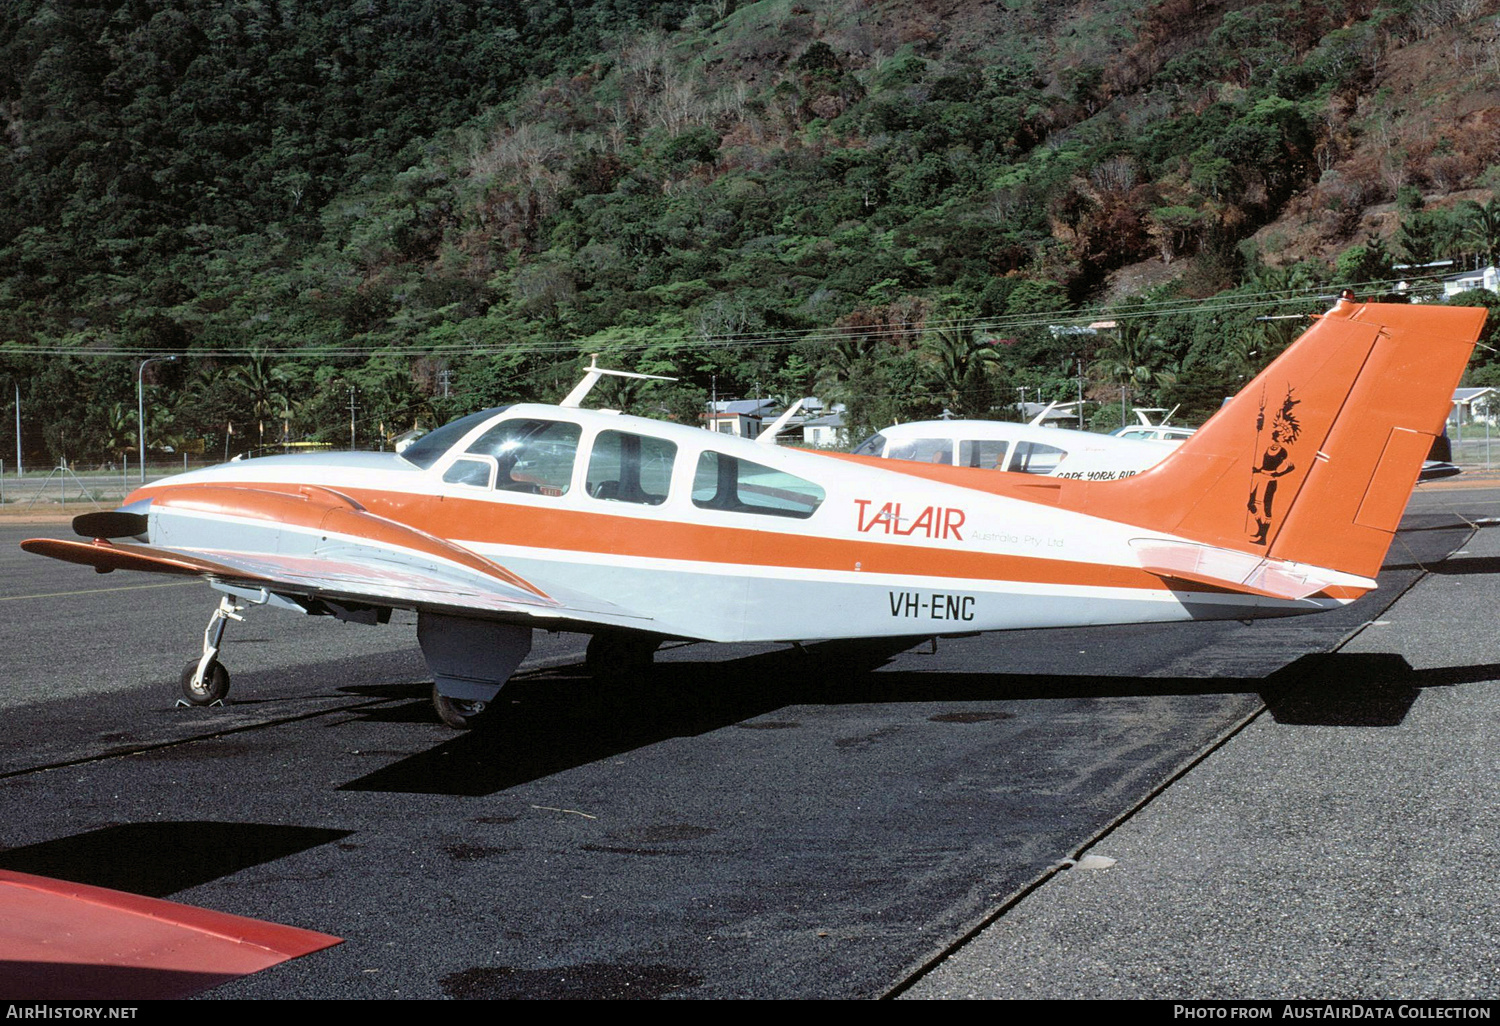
column 611, row 535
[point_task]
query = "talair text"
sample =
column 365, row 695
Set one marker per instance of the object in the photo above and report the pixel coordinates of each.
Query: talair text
column 933, row 522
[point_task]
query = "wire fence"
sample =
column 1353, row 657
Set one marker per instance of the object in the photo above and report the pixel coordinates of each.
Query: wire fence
column 1479, row 449
column 100, row 485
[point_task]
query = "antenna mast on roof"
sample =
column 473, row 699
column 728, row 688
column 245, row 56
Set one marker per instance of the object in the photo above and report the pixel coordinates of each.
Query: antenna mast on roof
column 591, row 378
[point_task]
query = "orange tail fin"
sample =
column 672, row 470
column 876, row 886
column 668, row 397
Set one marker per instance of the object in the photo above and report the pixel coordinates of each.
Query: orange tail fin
column 1315, row 460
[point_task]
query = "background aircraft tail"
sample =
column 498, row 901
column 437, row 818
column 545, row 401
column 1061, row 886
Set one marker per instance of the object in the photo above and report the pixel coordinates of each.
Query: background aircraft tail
column 1314, row 461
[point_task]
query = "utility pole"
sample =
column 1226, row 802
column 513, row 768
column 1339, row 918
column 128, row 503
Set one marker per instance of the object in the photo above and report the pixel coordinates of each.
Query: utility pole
column 19, row 471
column 351, row 416
column 140, row 405
column 1080, row 393
column 445, row 377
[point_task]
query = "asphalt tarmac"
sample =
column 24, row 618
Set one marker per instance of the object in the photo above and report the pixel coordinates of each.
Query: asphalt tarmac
column 1340, row 846
column 755, row 821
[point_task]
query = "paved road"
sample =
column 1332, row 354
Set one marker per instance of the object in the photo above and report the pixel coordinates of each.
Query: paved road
column 744, row 821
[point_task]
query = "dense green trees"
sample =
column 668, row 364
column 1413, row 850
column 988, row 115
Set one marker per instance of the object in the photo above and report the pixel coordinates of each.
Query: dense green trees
column 443, row 204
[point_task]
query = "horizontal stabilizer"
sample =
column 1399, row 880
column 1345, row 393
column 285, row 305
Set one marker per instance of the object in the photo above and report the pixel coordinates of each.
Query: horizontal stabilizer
column 64, row 941
column 1239, row 571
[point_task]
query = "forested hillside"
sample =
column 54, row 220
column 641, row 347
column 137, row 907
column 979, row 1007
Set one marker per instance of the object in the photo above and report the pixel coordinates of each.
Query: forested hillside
column 444, row 204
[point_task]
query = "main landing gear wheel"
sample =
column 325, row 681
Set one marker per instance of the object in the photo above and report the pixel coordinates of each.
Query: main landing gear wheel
column 458, row 713
column 215, row 685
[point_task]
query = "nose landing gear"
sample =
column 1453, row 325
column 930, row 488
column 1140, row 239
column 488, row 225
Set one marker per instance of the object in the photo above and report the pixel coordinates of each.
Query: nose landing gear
column 204, row 680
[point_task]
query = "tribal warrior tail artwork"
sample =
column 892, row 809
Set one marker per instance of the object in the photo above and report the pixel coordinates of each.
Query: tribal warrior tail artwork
column 1273, row 463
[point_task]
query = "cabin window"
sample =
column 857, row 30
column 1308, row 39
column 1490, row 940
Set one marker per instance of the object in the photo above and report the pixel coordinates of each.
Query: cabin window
column 872, row 446
column 984, row 453
column 534, row 457
column 428, row 449
column 630, row 468
column 1036, row 458
column 739, row 486
column 923, row 450
column 474, row 471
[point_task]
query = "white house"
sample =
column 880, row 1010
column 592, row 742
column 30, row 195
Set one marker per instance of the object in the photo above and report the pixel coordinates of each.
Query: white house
column 741, row 417
column 1470, row 406
column 825, row 431
column 1487, row 278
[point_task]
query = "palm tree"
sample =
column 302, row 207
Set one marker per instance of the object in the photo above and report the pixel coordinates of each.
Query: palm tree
column 1279, row 283
column 1483, row 229
column 845, row 358
column 262, row 385
column 1244, row 355
column 120, row 435
column 161, row 428
column 958, row 366
column 1133, row 355
column 1247, row 352
column 852, row 374
column 1175, row 373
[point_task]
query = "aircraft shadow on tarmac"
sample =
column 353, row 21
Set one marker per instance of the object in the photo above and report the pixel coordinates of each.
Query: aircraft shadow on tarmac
column 73, row 982
column 1358, row 689
column 1475, row 566
column 558, row 720
column 160, row 859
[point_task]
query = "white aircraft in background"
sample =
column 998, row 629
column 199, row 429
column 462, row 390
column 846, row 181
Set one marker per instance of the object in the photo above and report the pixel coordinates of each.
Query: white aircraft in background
column 1161, row 431
column 1017, row 448
column 633, row 531
column 1057, row 452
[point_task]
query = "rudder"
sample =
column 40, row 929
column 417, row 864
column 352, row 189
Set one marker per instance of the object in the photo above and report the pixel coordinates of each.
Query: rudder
column 1349, row 508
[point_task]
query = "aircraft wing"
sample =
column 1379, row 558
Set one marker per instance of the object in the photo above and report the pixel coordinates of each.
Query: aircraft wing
column 320, row 545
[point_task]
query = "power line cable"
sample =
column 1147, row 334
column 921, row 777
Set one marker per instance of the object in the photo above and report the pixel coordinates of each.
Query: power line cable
column 1225, row 303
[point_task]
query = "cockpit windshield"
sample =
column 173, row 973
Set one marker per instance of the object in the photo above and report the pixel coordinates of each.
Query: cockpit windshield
column 428, row 449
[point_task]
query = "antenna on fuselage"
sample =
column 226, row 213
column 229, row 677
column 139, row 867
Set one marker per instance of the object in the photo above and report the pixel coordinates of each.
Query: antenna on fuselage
column 1142, row 411
column 768, row 436
column 591, row 378
column 1041, row 418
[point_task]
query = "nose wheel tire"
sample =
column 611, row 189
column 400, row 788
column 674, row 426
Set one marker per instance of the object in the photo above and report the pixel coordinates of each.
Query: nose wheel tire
column 458, row 713
column 215, row 684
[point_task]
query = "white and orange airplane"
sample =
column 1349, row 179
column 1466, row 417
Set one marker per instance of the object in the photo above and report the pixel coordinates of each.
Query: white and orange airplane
column 633, row 531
